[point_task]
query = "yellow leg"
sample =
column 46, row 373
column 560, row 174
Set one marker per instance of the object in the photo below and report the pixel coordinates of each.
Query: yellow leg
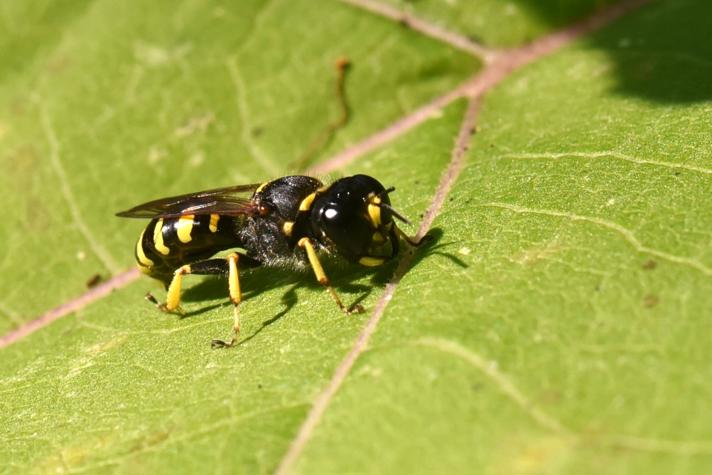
column 211, row 266
column 236, row 298
column 173, row 296
column 306, row 244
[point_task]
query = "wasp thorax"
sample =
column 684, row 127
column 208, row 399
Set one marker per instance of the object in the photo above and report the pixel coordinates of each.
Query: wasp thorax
column 350, row 216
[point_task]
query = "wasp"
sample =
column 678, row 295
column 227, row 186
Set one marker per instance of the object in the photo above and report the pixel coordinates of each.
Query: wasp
column 287, row 222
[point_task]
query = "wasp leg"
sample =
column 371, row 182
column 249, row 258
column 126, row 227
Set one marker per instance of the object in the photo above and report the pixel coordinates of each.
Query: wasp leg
column 172, row 304
column 207, row 267
column 306, row 244
column 236, row 298
column 407, row 238
column 149, row 296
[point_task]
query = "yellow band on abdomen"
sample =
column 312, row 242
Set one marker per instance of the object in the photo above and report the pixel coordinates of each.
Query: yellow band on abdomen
column 214, row 218
column 184, row 227
column 143, row 260
column 158, row 238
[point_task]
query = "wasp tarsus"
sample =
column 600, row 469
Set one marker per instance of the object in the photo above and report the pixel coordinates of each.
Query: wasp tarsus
column 149, row 296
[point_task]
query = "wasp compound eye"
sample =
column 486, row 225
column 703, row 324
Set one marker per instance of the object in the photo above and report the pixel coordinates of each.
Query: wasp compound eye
column 346, row 227
column 349, row 214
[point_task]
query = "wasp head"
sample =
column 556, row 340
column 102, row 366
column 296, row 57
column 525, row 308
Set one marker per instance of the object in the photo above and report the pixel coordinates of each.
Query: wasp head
column 354, row 214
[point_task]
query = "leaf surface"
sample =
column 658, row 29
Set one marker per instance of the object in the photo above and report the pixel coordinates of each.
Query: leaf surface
column 556, row 323
column 116, row 109
column 500, row 24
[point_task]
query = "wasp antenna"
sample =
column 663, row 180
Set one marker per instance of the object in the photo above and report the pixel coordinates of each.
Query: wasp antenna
column 396, row 213
column 386, row 191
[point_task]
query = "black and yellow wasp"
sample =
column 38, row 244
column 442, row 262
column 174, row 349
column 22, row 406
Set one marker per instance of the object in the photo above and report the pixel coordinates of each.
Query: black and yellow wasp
column 284, row 222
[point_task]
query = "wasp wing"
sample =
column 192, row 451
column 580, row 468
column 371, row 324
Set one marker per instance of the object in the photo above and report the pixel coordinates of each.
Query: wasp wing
column 228, row 201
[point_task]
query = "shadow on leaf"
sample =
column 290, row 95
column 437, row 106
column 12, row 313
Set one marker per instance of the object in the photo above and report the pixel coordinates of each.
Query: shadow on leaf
column 342, row 274
column 661, row 51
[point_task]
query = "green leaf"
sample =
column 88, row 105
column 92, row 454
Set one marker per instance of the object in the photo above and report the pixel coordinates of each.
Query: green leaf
column 555, row 323
column 172, row 101
column 500, row 24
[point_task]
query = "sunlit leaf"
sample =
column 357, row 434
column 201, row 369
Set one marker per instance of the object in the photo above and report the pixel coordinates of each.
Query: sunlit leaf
column 555, row 323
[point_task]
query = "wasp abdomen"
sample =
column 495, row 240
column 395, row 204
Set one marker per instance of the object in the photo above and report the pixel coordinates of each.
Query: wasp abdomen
column 167, row 243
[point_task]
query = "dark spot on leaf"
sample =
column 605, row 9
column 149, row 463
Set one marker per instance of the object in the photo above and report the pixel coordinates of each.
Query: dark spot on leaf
column 93, row 281
column 650, row 301
column 257, row 131
column 650, row 264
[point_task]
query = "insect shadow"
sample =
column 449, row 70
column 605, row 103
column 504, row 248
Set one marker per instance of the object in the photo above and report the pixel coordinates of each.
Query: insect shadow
column 436, row 247
column 260, row 279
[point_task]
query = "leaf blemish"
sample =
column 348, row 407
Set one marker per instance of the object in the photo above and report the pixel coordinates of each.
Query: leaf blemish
column 156, row 154
column 153, row 55
column 650, row 301
column 650, row 264
column 194, row 125
column 536, row 254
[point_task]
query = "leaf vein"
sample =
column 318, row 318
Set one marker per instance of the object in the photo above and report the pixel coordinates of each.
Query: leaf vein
column 11, row 314
column 508, row 388
column 324, row 399
column 75, row 212
column 500, row 379
column 624, row 232
column 426, row 28
column 604, row 154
